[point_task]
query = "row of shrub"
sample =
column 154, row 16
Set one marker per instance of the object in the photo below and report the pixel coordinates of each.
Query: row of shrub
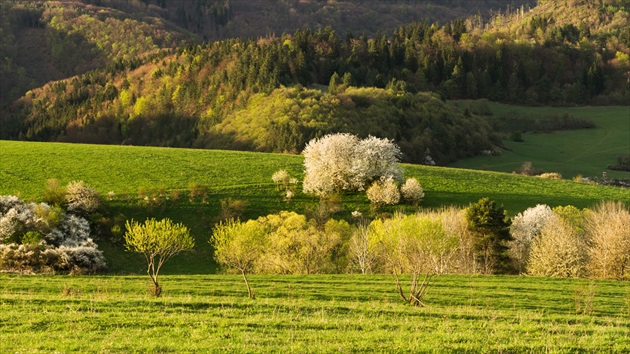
column 541, row 241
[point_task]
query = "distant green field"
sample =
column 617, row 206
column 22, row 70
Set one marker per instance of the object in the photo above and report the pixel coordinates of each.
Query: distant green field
column 579, row 152
column 25, row 166
column 312, row 314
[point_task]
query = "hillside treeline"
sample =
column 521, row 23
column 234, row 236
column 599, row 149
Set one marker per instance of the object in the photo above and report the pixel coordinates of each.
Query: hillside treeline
column 422, row 125
column 197, row 96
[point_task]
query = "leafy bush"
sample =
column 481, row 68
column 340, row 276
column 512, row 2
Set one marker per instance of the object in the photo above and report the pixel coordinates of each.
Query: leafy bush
column 297, row 246
column 411, row 191
column 231, row 209
column 415, row 244
column 551, row 175
column 198, row 191
column 54, row 192
column 528, row 170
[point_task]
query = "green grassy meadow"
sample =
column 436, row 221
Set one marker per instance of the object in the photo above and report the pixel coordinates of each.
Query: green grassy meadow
column 25, row 166
column 584, row 152
column 321, row 313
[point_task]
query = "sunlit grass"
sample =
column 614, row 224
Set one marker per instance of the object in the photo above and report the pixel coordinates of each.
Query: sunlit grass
column 347, row 313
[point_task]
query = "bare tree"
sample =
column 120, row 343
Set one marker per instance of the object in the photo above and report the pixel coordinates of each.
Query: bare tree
column 608, row 229
column 559, row 251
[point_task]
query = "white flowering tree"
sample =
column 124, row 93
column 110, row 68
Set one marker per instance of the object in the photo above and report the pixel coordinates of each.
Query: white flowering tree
column 285, row 183
column 338, row 162
column 375, row 159
column 328, row 164
column 525, row 228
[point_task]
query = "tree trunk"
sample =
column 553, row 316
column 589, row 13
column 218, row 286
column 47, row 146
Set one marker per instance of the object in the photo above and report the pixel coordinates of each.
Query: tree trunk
column 157, row 289
column 250, row 293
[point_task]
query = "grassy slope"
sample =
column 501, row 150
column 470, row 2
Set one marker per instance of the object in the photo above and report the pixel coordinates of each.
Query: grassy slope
column 343, row 313
column 25, row 166
column 579, row 152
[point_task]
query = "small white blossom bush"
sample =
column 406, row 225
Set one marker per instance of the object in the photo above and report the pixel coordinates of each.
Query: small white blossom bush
column 286, row 184
column 280, row 178
column 384, row 192
column 82, row 198
column 83, row 259
column 411, row 191
column 16, row 218
column 76, row 231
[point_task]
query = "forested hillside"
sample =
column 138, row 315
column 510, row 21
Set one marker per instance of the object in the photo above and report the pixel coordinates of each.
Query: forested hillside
column 43, row 41
column 222, row 19
column 49, row 40
column 239, row 93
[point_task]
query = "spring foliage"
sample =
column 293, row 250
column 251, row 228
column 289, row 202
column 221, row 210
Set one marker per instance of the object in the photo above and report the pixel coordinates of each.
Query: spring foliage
column 559, row 251
column 238, row 246
column 158, row 241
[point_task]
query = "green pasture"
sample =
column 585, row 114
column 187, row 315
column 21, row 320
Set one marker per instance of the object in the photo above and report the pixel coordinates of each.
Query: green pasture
column 25, row 166
column 584, row 152
column 316, row 314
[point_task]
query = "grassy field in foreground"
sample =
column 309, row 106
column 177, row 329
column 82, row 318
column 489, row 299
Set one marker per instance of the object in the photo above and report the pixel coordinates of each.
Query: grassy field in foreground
column 311, row 314
column 25, row 166
column 584, row 152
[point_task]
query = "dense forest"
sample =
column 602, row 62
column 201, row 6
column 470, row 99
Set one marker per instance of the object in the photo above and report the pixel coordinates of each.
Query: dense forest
column 275, row 92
